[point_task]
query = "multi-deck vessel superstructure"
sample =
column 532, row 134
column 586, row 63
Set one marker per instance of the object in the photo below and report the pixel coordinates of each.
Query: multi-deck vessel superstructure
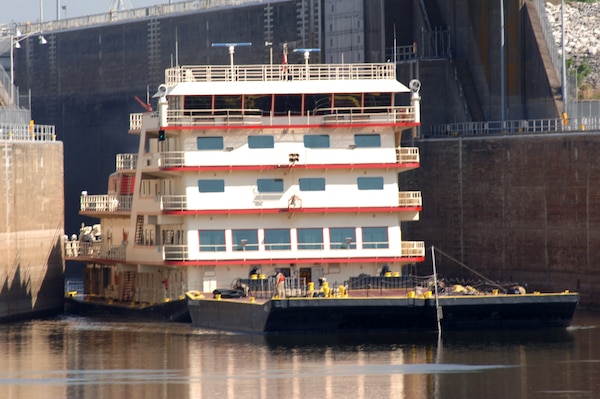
column 254, row 183
column 261, row 168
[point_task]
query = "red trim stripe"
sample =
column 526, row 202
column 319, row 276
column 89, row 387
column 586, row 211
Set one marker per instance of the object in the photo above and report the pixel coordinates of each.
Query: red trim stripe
column 292, row 126
column 229, row 262
column 406, row 165
column 264, row 211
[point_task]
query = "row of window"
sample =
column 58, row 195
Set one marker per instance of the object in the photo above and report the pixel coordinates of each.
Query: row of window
column 306, row 238
column 285, row 104
column 310, row 141
column 277, row 186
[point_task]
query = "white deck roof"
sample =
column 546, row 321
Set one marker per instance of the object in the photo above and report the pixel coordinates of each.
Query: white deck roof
column 287, row 87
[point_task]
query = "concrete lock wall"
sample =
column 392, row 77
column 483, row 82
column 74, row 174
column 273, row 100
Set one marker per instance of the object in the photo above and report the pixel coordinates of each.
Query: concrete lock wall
column 31, row 228
column 515, row 208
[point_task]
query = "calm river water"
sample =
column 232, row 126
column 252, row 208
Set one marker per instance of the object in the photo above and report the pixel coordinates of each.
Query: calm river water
column 69, row 357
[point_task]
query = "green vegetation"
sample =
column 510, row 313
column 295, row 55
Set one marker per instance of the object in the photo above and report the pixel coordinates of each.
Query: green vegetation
column 583, row 70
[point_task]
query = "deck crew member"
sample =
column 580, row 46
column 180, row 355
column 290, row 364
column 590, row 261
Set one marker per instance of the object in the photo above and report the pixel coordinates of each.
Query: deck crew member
column 280, row 285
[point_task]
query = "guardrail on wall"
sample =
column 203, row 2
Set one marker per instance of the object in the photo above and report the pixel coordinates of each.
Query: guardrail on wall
column 532, row 126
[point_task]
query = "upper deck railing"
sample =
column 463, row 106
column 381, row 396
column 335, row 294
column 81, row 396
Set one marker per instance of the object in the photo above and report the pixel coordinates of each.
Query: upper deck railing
column 277, row 72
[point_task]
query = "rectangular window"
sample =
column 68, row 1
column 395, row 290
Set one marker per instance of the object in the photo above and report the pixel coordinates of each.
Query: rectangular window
column 258, row 102
column 212, row 240
column 269, row 185
column 316, row 141
column 312, row 184
column 342, row 238
column 261, row 142
column 288, row 104
column 375, row 237
column 370, row 183
column 197, row 102
column 277, row 239
column 211, row 186
column 367, row 140
column 210, row 143
column 227, row 104
column 310, row 238
column 245, row 240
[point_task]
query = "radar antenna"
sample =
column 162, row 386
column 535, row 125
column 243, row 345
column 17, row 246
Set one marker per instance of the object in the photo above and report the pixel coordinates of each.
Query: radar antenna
column 231, row 47
column 306, row 52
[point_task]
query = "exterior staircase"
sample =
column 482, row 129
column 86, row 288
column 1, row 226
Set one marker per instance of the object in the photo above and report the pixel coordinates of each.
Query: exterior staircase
column 128, row 294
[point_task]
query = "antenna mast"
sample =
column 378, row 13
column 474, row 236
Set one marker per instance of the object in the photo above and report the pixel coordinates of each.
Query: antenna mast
column 120, row 5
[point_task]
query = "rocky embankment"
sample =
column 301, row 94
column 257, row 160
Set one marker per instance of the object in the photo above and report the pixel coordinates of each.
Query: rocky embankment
column 582, row 41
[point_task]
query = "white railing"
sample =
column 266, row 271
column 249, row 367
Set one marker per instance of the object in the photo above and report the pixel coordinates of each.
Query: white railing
column 126, row 161
column 409, row 198
column 29, row 132
column 367, row 114
column 171, row 159
column 412, row 248
column 213, row 117
column 409, row 249
column 97, row 250
column 275, row 72
column 175, row 159
column 407, row 154
column 173, row 203
column 175, row 252
column 135, row 121
column 338, row 115
column 105, row 203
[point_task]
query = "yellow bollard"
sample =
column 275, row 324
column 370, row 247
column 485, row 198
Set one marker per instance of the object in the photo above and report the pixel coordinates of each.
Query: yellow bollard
column 311, row 286
column 427, row 294
column 411, row 294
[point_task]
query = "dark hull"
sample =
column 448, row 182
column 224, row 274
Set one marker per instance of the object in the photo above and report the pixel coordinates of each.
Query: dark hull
column 508, row 312
column 385, row 314
column 173, row 311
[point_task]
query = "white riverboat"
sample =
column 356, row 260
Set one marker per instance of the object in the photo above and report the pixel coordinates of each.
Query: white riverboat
column 264, row 168
column 247, row 175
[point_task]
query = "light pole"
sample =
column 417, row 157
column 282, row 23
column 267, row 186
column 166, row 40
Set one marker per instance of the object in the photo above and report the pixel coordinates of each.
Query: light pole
column 564, row 56
column 12, row 68
column 502, row 70
column 270, row 45
column 15, row 42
